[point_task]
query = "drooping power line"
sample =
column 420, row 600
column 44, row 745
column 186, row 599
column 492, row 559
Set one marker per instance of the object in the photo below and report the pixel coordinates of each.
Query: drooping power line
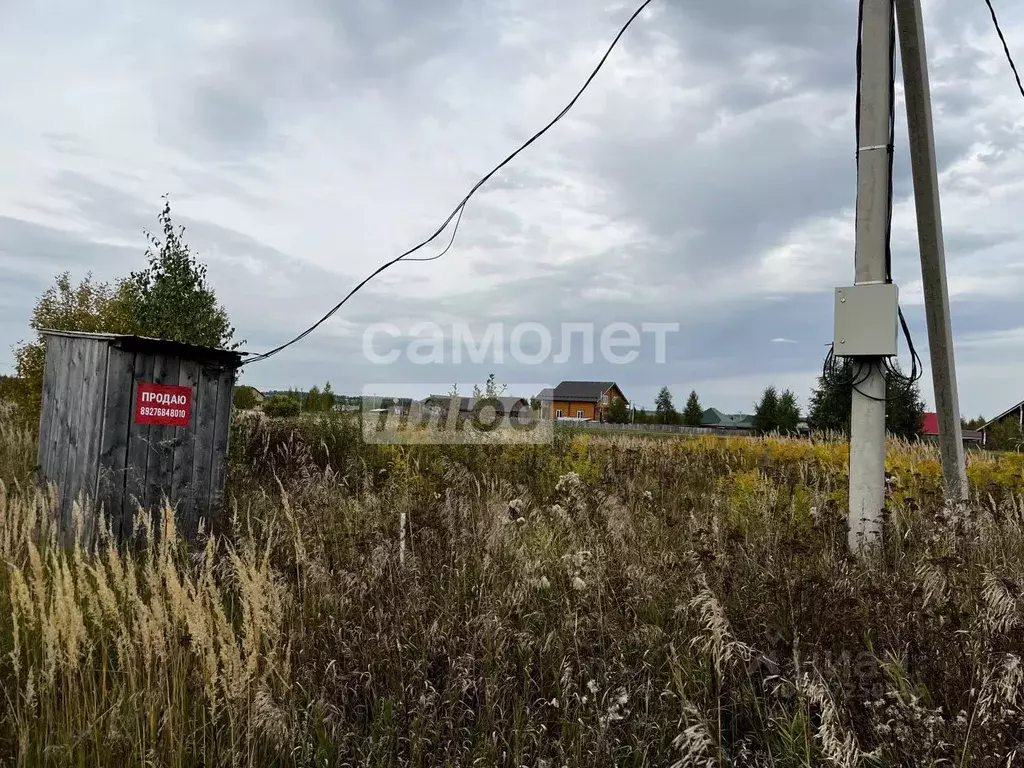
column 459, row 208
column 1006, row 48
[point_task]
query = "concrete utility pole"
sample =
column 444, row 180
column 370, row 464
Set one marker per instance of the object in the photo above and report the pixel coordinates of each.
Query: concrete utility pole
column 933, row 257
column 867, row 416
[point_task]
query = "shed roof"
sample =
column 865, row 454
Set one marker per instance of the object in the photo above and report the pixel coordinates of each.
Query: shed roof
column 152, row 346
column 582, row 391
column 1002, row 416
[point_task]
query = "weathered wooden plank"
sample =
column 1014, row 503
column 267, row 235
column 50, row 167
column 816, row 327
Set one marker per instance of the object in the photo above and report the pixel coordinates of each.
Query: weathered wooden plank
column 77, row 385
column 157, row 434
column 46, row 417
column 221, row 440
column 54, row 458
column 138, row 451
column 207, row 394
column 184, row 456
column 92, row 434
column 86, row 397
column 117, row 422
column 160, row 465
column 69, row 423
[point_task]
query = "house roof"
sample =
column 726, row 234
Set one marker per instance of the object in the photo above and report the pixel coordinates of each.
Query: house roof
column 582, row 391
column 1001, row 416
column 930, row 427
column 260, row 396
column 715, row 418
column 546, row 395
column 149, row 346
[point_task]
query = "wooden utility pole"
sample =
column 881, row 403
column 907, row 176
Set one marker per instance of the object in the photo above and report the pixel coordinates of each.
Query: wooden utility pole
column 933, row 256
column 867, row 414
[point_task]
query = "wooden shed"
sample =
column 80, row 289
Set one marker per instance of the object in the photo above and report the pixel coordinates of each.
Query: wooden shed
column 128, row 421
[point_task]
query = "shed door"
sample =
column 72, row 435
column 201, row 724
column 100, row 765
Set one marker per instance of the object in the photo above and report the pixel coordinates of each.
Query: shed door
column 175, row 415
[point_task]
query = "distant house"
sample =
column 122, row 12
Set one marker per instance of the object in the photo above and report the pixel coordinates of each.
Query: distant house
column 258, row 398
column 715, row 418
column 515, row 409
column 930, row 432
column 1013, row 417
column 585, row 399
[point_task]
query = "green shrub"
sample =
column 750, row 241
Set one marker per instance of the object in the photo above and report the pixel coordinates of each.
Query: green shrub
column 246, row 398
column 282, row 407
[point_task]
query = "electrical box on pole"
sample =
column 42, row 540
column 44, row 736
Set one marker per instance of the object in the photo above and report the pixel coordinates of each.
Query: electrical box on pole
column 866, row 320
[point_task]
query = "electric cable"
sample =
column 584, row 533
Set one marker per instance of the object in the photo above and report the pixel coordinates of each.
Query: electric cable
column 461, row 206
column 455, row 231
column 841, row 374
column 1006, row 48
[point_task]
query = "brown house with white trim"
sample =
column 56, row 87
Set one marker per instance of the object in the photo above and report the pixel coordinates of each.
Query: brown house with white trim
column 585, row 399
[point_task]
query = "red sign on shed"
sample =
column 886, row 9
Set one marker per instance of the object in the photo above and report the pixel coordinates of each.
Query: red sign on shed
column 163, row 405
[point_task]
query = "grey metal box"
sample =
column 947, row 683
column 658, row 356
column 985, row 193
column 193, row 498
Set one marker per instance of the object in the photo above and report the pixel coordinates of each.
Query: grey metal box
column 866, row 320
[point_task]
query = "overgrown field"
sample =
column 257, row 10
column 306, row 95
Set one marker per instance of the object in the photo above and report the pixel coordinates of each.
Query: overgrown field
column 598, row 601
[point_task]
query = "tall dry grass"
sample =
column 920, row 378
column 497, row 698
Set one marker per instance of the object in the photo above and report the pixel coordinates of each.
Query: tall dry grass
column 148, row 656
column 596, row 601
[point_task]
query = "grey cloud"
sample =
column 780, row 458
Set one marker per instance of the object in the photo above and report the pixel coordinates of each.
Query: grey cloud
column 387, row 39
column 739, row 199
column 104, row 206
column 745, row 197
column 13, row 322
column 234, row 106
column 802, row 34
column 31, row 255
column 234, row 122
column 229, row 180
column 977, row 316
column 38, row 252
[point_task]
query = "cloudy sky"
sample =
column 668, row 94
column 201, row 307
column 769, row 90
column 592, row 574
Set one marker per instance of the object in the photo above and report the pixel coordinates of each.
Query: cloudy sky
column 707, row 177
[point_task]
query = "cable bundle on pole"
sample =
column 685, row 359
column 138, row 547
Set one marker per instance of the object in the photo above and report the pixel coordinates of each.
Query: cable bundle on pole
column 833, row 372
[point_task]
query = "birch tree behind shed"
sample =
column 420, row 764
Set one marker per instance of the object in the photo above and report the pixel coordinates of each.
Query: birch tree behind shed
column 128, row 422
